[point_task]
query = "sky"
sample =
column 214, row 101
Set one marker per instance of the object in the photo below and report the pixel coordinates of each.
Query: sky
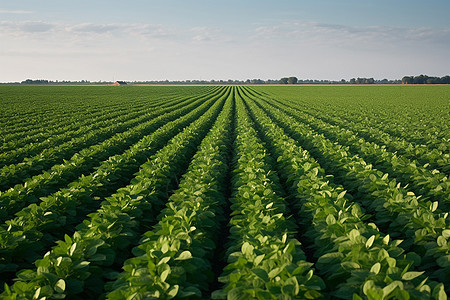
column 137, row 40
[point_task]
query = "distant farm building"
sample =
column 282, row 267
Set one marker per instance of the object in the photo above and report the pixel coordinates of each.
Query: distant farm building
column 120, row 83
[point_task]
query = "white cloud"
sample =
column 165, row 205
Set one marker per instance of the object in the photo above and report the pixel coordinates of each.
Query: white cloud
column 57, row 50
column 93, row 28
column 202, row 34
column 345, row 36
column 24, row 27
column 85, row 29
column 33, row 27
column 15, row 12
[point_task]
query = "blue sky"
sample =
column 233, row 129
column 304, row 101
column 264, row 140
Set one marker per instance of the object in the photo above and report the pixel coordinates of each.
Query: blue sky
column 177, row 40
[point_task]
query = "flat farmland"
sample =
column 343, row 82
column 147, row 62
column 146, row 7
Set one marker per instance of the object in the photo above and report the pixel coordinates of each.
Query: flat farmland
column 224, row 192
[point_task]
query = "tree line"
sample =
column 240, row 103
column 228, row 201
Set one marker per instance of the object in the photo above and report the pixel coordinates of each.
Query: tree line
column 59, row 82
column 424, row 79
column 359, row 80
column 421, row 79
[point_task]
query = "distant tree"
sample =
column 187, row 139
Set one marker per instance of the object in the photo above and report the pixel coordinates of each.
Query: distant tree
column 407, row 80
column 257, row 81
column 424, row 79
column 421, row 79
column 284, row 80
column 360, row 80
column 37, row 81
column 292, row 80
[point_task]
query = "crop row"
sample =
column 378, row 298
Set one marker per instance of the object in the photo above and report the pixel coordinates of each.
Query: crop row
column 229, row 193
column 39, row 132
column 438, row 158
column 111, row 131
column 34, row 143
column 429, row 183
column 414, row 115
column 41, row 108
column 353, row 256
column 265, row 260
column 36, row 226
column 81, row 263
column 14, row 199
column 174, row 257
column 396, row 210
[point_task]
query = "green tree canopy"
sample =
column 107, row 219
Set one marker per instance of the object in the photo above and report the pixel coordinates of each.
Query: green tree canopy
column 292, row 80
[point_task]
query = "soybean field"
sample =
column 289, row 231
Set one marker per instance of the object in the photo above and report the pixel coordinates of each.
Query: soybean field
column 224, row 192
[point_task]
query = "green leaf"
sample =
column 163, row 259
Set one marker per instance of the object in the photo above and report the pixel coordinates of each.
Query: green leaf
column 98, row 257
column 261, row 273
column 350, row 265
column 26, row 275
column 391, row 262
column 284, row 238
column 439, row 292
column 164, row 274
column 446, row 233
column 411, row 275
column 235, row 294
column 67, row 239
column 368, row 285
column 81, row 265
column 391, row 287
column 72, row 249
column 341, row 194
column 258, row 259
column 370, row 241
column 184, row 255
column 330, row 219
column 444, row 261
column 434, row 206
column 274, row 272
column 375, row 268
column 60, row 286
column 219, row 294
column 356, row 297
column 312, row 294
column 165, row 247
column 164, row 260
column 267, row 192
column 290, row 287
column 190, row 291
column 354, row 233
column 330, row 257
column 247, row 249
column 386, row 239
column 414, row 257
column 36, row 294
column 441, row 241
column 309, row 275
column 173, row 290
